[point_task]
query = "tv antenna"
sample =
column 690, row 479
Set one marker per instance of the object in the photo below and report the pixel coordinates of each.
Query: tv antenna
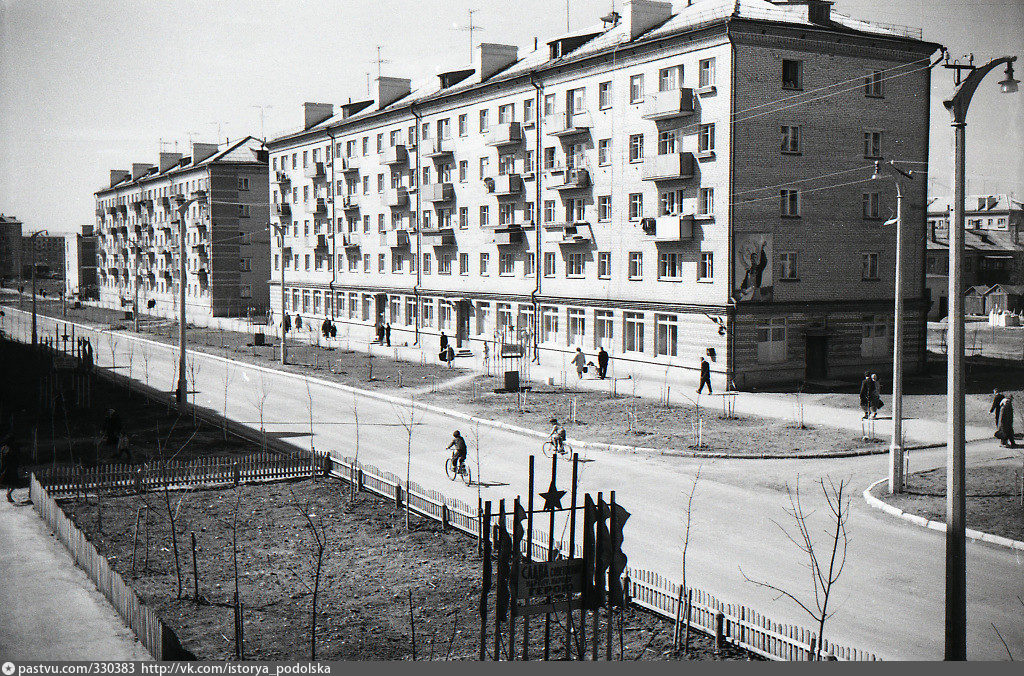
column 263, row 136
column 379, row 61
column 471, row 28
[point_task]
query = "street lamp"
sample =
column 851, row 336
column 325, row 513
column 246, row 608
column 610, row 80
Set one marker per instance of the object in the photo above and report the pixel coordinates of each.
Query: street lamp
column 281, row 229
column 32, row 245
column 956, row 513
column 182, row 390
column 896, row 446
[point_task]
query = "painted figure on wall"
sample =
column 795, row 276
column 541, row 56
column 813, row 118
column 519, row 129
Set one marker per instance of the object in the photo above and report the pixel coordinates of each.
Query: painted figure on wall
column 753, row 267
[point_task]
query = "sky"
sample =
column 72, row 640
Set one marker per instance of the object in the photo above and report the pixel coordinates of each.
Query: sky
column 90, row 85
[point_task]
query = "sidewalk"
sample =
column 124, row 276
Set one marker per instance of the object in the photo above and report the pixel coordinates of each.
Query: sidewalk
column 50, row 610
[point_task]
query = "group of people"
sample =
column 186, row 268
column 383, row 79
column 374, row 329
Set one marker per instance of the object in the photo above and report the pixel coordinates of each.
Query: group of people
column 579, row 360
column 384, row 334
column 870, row 396
column 1002, row 410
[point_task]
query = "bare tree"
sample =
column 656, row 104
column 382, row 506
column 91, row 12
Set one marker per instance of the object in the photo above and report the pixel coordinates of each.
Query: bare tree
column 131, row 364
column 227, row 384
column 684, row 589
column 315, row 523
column 194, row 369
column 259, row 402
column 309, row 406
column 824, row 574
column 112, row 344
column 145, row 362
column 355, row 461
column 172, row 512
column 407, row 419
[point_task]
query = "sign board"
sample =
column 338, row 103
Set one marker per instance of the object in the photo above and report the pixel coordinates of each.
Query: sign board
column 550, row 578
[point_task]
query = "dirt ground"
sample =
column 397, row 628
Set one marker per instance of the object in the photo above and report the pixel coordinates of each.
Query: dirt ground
column 993, row 498
column 371, row 565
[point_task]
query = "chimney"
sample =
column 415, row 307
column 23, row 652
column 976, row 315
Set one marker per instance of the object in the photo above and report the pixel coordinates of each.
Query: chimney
column 494, row 58
column 140, row 168
column 201, row 151
column 818, row 11
column 643, row 15
column 390, row 89
column 315, row 113
column 118, row 175
column 168, row 160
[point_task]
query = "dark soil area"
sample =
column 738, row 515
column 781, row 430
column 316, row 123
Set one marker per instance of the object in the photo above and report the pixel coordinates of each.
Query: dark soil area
column 371, row 565
column 993, row 495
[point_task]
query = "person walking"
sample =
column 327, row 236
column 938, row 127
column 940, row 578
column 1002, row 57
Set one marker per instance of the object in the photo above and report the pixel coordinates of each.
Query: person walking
column 580, row 361
column 997, row 399
column 444, row 342
column 387, row 333
column 449, row 355
column 876, row 397
column 705, row 376
column 866, row 398
column 602, row 364
column 1005, row 431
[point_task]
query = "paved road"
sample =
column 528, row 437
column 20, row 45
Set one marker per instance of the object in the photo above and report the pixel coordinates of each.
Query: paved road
column 889, row 600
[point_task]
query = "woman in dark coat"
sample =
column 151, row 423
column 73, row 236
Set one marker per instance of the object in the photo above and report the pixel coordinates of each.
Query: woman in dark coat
column 1005, row 432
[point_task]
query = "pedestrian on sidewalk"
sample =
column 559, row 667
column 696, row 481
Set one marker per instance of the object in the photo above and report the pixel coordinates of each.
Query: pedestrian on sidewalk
column 380, row 334
column 602, row 364
column 580, row 360
column 449, row 355
column 325, row 328
column 387, row 333
column 997, row 399
column 444, row 342
column 705, row 376
column 876, row 401
column 1005, row 431
column 866, row 394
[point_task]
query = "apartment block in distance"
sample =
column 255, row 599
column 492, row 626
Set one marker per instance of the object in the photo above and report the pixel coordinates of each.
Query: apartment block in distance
column 219, row 195
column 80, row 264
column 10, row 248
column 674, row 183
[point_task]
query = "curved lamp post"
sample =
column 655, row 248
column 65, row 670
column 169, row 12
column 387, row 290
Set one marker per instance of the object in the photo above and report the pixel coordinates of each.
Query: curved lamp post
column 956, row 515
column 181, row 393
column 32, row 240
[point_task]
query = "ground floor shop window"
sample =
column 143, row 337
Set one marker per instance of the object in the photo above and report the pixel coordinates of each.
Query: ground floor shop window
column 874, row 341
column 667, row 333
column 771, row 340
column 633, row 332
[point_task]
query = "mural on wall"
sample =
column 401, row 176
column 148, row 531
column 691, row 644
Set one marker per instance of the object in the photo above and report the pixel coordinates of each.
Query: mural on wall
column 753, row 273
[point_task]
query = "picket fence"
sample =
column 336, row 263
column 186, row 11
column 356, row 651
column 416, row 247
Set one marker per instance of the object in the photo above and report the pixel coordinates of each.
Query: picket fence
column 158, row 638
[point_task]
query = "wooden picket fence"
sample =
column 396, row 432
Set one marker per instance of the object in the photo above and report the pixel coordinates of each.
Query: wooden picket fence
column 158, row 638
column 738, row 624
column 251, row 468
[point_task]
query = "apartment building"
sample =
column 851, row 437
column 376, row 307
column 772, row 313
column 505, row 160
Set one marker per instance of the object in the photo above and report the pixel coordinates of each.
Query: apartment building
column 993, row 251
column 670, row 185
column 80, row 264
column 47, row 252
column 219, row 195
column 10, row 248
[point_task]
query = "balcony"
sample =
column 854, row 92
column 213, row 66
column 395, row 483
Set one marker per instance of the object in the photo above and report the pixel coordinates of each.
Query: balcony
column 575, row 179
column 318, row 206
column 670, row 104
column 350, row 202
column 349, row 164
column 507, row 235
column 670, row 167
column 507, row 134
column 315, row 171
column 322, row 242
column 123, row 208
column 352, row 240
column 395, row 155
column 111, row 209
column 396, row 197
column 438, row 192
column 147, row 202
column 281, row 210
column 569, row 232
column 671, row 228
column 396, row 238
column 505, row 184
column 442, row 235
column 567, row 123
column 442, row 148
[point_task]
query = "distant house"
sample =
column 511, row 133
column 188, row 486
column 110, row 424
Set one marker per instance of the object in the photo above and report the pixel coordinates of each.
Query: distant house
column 1005, row 297
column 974, row 300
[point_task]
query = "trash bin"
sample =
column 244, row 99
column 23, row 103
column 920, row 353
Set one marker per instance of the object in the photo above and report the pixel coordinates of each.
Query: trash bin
column 511, row 381
column 258, row 338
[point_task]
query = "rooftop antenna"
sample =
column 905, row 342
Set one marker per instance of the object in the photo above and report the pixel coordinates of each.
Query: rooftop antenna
column 611, row 17
column 367, row 84
column 262, row 108
column 379, row 61
column 471, row 28
column 567, row 3
column 219, row 125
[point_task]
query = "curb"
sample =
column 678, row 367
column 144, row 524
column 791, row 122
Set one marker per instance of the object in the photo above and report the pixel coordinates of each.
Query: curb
column 591, row 445
column 936, row 525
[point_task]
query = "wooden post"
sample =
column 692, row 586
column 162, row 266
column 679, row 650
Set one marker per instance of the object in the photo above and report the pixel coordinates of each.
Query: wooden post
column 686, row 629
column 481, row 531
column 486, row 586
column 569, row 626
column 551, row 556
column 529, row 556
column 195, row 569
column 609, row 625
column 236, row 473
column 514, row 577
column 719, row 632
column 811, row 655
column 444, row 517
column 596, row 612
column 398, row 495
column 359, row 481
column 501, row 574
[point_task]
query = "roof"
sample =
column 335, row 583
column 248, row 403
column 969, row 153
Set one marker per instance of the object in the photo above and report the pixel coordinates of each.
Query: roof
column 975, row 204
column 606, row 37
column 984, row 241
column 981, row 289
column 1009, row 289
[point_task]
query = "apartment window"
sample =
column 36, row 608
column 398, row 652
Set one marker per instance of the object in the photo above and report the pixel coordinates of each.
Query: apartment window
column 574, row 265
column 305, row 159
column 549, row 263
column 670, row 266
column 792, row 74
column 506, row 213
column 636, row 206
column 353, row 264
column 874, row 342
column 706, row 138
column 577, row 326
column 636, row 265
column 484, row 163
column 873, row 84
column 575, row 210
column 426, row 175
column 243, row 211
column 426, row 220
column 788, row 266
column 243, row 183
column 790, row 203
column 604, row 208
column 244, row 264
column 528, row 111
column 529, row 264
column 463, row 217
column 484, row 121
column 305, row 300
column 485, row 216
column 366, row 223
column 380, row 142
column 485, row 260
column 394, row 137
column 506, row 113
column 428, row 312
column 425, row 131
column 636, row 148
column 576, row 100
column 549, row 104
column 604, row 264
column 604, row 95
column 549, row 211
column 604, row 331
column 666, row 335
column 670, row 79
column 295, row 160
column 506, row 164
column 506, row 264
column 790, row 139
column 771, row 341
column 872, row 144
column 444, row 128
column 636, row 88
column 670, row 203
column 463, row 263
column 667, row 142
column 444, row 265
column 633, row 332
column 604, row 151
column 706, row 73
column 549, row 158
column 869, row 266
column 706, row 267
column 549, row 324
column 426, row 264
column 528, row 162
column 306, row 261
column 870, row 203
column 396, row 264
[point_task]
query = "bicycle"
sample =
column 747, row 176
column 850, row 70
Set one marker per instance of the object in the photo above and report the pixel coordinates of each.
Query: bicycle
column 453, row 472
column 549, row 449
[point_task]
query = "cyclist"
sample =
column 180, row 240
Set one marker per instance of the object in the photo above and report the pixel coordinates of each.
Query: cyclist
column 557, row 436
column 459, row 454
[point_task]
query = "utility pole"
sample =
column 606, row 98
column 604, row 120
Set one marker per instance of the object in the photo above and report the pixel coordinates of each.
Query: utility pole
column 896, row 477
column 956, row 512
column 182, row 390
column 32, row 244
column 280, row 229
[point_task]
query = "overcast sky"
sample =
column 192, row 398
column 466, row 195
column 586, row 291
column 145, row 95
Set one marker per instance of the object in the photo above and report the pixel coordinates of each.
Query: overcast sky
column 86, row 86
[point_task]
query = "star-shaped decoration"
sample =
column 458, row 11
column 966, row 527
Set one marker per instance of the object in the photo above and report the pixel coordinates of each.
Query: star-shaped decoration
column 553, row 497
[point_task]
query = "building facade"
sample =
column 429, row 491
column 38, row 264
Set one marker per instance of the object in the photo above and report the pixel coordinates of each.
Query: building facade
column 80, row 264
column 220, row 195
column 672, row 186
column 10, row 248
column 47, row 252
column 993, row 251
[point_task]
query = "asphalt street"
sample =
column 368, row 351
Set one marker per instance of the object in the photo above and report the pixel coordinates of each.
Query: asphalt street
column 889, row 599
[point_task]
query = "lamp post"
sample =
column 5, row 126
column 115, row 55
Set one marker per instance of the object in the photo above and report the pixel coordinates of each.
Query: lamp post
column 896, row 445
column 956, row 515
column 181, row 393
column 280, row 229
column 32, row 245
